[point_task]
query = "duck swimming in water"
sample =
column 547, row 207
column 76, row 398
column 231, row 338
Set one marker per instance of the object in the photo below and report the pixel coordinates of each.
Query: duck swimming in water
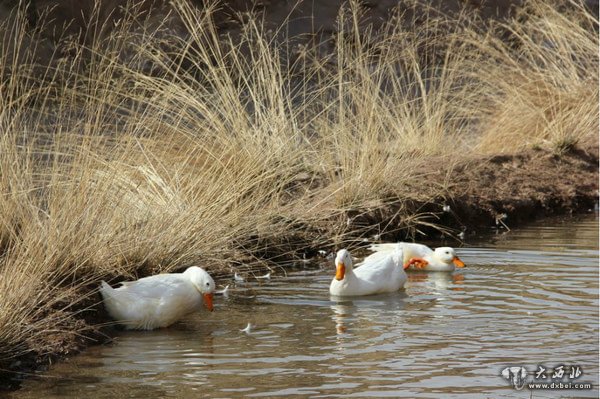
column 421, row 257
column 378, row 273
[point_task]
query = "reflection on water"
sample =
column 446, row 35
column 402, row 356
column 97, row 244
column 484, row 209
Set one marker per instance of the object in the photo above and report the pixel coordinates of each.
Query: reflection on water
column 527, row 298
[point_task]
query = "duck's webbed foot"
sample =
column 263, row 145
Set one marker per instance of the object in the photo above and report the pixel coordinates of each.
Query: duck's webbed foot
column 418, row 263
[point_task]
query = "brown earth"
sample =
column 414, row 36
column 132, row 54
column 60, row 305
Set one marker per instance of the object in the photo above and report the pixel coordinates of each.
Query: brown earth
column 491, row 191
column 525, row 186
column 502, row 191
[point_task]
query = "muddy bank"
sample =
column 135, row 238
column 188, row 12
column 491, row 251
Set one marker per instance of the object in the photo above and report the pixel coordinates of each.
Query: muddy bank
column 488, row 192
column 506, row 191
column 502, row 191
column 515, row 189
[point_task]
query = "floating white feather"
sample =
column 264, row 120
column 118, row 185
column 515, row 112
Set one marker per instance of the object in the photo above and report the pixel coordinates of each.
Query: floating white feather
column 224, row 291
column 265, row 277
column 248, row 329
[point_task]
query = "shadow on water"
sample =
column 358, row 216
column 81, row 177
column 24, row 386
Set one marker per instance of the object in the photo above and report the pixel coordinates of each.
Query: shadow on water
column 527, row 298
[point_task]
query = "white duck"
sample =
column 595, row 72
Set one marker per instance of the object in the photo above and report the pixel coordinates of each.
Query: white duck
column 159, row 301
column 379, row 272
column 419, row 256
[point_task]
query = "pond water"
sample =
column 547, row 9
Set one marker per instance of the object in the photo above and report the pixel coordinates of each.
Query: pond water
column 527, row 298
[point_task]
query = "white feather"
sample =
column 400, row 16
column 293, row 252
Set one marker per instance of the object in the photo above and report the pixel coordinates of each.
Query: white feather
column 265, row 277
column 224, row 291
column 248, row 329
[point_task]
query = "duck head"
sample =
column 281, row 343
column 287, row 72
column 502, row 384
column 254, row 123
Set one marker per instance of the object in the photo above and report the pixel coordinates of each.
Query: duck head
column 447, row 255
column 343, row 260
column 203, row 282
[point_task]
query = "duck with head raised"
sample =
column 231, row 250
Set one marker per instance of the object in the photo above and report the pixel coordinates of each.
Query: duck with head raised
column 378, row 273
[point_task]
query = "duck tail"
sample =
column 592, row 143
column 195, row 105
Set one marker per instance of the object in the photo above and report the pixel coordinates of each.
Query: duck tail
column 112, row 301
column 383, row 247
column 106, row 290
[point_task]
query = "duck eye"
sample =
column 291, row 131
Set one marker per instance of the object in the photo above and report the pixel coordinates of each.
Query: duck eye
column 207, row 284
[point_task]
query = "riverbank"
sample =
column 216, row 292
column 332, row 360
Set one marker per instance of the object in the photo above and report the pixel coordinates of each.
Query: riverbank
column 225, row 152
column 508, row 291
column 525, row 187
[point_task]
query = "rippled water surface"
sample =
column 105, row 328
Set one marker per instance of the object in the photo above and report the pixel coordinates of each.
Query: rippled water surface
column 527, row 298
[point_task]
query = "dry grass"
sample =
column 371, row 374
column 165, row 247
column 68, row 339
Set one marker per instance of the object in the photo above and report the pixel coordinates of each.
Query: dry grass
column 222, row 148
column 541, row 88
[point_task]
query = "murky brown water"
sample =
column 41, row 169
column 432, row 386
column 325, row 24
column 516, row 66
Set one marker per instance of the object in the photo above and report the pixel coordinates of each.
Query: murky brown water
column 527, row 298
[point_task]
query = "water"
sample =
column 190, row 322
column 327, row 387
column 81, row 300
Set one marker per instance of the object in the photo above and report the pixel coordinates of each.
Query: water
column 527, row 298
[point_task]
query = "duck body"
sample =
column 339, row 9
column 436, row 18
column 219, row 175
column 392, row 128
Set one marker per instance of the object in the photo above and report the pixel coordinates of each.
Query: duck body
column 421, row 257
column 378, row 273
column 160, row 300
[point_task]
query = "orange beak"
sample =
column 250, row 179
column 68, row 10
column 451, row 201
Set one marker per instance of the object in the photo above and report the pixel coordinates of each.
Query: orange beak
column 457, row 262
column 208, row 301
column 340, row 271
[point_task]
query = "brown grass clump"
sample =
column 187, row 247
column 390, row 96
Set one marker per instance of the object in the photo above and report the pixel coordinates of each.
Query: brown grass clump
column 541, row 87
column 225, row 152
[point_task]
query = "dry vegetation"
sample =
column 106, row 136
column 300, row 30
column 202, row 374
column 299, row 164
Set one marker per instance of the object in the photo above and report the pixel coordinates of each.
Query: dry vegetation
column 225, row 152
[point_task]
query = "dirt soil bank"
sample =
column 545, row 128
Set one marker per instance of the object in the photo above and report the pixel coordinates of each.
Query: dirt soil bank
column 522, row 187
column 485, row 192
column 502, row 191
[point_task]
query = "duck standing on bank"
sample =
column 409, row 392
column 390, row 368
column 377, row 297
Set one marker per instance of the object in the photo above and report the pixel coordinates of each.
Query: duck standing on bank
column 160, row 300
column 378, row 273
column 421, row 257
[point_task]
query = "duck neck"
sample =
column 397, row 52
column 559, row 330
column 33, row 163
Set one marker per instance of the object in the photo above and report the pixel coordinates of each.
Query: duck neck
column 349, row 274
